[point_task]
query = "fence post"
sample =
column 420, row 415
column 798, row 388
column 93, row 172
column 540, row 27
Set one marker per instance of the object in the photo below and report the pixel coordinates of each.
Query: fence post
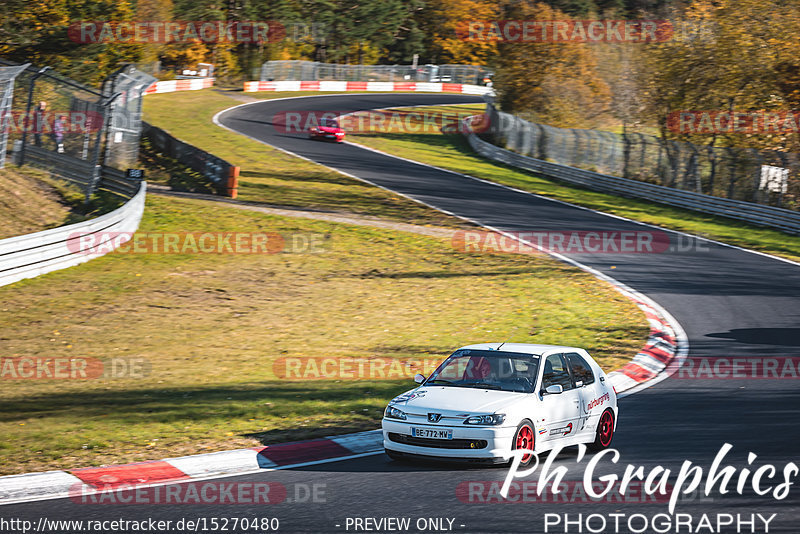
column 732, row 170
column 757, row 197
column 98, row 141
column 7, row 81
column 28, row 112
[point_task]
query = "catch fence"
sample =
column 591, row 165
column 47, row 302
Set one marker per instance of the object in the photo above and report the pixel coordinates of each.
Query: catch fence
column 74, row 131
column 765, row 177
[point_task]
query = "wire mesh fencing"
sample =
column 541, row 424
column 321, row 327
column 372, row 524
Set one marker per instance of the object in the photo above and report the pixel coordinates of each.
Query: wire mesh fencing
column 314, row 71
column 125, row 88
column 765, row 177
column 57, row 125
column 74, row 131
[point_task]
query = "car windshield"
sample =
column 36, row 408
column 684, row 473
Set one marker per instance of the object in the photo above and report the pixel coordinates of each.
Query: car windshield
column 488, row 369
column 329, row 123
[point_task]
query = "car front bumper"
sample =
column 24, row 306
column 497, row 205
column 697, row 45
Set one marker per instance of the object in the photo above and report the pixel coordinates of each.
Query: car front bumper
column 469, row 443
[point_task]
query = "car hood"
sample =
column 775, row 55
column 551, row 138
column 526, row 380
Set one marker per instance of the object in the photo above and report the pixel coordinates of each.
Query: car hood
column 328, row 129
column 455, row 400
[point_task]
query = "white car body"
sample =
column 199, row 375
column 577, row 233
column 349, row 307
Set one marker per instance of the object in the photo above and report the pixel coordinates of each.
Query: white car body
column 558, row 419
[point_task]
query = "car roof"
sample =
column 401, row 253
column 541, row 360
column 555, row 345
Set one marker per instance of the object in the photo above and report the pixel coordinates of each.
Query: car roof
column 525, row 348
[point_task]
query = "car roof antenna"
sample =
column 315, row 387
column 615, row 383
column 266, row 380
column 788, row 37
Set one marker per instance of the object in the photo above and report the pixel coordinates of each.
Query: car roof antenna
column 507, row 340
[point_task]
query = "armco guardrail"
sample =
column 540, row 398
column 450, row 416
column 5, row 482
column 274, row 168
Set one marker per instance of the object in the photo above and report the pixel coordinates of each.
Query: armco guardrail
column 170, row 86
column 782, row 219
column 31, row 255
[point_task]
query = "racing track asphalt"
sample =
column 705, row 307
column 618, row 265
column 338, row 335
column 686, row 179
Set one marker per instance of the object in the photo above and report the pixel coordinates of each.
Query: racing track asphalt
column 730, row 302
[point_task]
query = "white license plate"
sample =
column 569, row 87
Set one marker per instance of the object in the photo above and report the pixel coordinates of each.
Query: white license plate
column 431, row 433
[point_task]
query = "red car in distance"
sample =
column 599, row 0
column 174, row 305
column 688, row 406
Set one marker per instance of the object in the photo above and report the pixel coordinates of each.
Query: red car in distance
column 328, row 129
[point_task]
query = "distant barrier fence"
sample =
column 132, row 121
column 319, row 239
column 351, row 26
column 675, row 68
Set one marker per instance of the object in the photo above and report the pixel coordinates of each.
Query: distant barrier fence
column 31, row 255
column 766, row 177
column 312, row 71
column 781, row 219
column 169, row 86
column 223, row 175
column 338, row 85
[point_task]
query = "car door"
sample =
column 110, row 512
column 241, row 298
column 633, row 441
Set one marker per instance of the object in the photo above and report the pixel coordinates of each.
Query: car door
column 586, row 385
column 560, row 412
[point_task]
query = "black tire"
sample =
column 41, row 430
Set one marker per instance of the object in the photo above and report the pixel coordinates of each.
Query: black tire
column 525, row 432
column 605, row 431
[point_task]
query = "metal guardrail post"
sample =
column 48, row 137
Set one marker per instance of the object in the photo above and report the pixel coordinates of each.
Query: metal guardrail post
column 95, row 178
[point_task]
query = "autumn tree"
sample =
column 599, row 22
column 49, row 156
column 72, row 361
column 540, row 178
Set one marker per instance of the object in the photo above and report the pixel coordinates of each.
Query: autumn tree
column 737, row 55
column 554, row 83
column 444, row 21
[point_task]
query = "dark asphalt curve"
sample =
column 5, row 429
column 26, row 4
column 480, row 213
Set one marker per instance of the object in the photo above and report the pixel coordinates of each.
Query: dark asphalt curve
column 731, row 303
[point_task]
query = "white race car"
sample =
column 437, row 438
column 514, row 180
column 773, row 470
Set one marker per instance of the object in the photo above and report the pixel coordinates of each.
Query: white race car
column 486, row 400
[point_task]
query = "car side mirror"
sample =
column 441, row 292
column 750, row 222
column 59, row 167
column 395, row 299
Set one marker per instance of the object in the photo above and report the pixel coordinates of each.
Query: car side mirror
column 555, row 389
column 419, row 379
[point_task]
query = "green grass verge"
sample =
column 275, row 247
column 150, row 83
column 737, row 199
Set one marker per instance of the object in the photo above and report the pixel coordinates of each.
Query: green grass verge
column 32, row 201
column 454, row 153
column 211, row 326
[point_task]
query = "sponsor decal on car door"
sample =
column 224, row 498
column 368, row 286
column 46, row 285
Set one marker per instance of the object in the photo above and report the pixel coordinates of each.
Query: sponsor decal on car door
column 562, row 411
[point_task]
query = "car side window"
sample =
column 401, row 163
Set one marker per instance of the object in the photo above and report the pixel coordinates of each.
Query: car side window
column 556, row 373
column 581, row 370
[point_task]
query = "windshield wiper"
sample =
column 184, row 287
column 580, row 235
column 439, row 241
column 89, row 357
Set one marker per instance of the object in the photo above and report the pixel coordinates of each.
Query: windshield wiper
column 485, row 385
column 441, row 382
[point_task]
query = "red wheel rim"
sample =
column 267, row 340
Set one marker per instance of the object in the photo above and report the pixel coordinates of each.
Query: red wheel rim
column 525, row 441
column 606, row 428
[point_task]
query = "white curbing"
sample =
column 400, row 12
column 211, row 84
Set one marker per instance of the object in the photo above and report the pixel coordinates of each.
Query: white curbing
column 217, row 463
column 35, row 486
column 361, row 442
column 59, row 484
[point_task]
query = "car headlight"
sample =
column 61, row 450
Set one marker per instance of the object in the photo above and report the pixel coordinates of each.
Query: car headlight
column 490, row 420
column 393, row 413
